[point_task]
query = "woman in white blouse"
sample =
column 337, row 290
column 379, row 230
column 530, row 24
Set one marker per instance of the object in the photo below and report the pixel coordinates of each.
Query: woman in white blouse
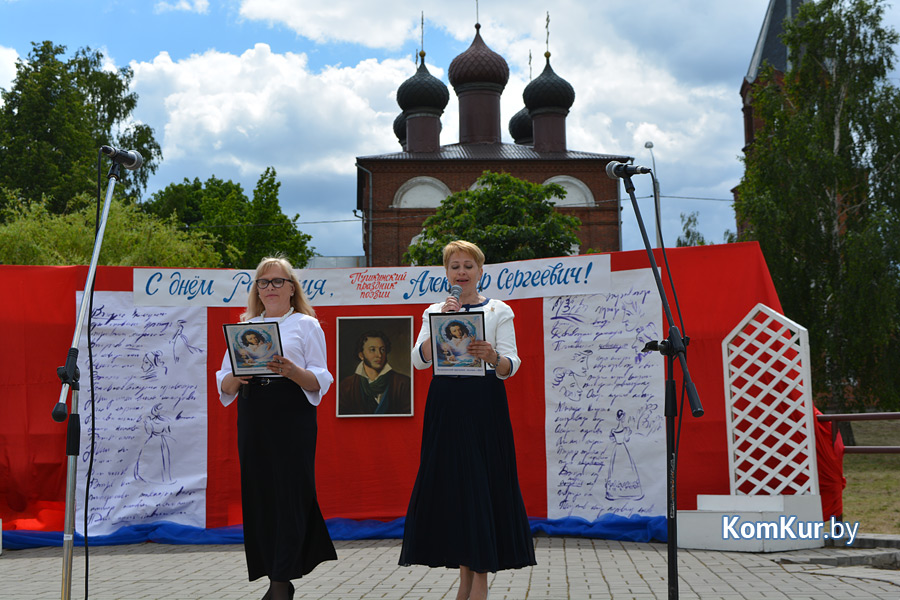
column 466, row 510
column 284, row 533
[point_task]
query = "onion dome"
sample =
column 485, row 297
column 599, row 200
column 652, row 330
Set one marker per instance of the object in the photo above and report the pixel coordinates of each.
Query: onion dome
column 520, row 127
column 549, row 91
column 478, row 65
column 400, row 128
column 422, row 90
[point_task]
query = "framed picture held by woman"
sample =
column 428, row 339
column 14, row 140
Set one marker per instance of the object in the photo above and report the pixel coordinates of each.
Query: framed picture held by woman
column 251, row 346
column 452, row 334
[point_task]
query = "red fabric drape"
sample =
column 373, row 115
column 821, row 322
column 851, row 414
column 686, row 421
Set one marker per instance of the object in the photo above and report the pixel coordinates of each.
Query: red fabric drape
column 366, row 467
column 830, row 459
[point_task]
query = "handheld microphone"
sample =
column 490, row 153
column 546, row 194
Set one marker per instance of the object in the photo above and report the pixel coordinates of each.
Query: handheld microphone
column 455, row 291
column 130, row 159
column 616, row 169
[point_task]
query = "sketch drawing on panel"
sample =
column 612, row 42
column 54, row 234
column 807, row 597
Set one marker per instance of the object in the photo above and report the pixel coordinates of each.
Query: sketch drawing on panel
column 181, row 337
column 154, row 461
column 623, row 481
column 152, row 364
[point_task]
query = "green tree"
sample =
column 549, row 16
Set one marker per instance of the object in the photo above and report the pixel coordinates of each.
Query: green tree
column 32, row 235
column 508, row 218
column 183, row 200
column 274, row 230
column 54, row 119
column 245, row 230
column 690, row 236
column 819, row 194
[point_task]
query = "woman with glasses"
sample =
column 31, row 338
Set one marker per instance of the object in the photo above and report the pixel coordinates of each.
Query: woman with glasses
column 284, row 533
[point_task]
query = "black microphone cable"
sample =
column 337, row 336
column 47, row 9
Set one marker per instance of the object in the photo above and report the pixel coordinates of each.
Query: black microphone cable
column 683, row 336
column 93, row 436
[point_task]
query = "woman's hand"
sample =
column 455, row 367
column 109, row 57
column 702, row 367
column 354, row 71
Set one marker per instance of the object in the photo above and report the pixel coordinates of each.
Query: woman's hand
column 451, row 304
column 231, row 385
column 485, row 351
column 281, row 365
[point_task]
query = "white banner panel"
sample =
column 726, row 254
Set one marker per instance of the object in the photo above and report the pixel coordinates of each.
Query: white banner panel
column 586, row 274
column 150, row 415
column 604, row 424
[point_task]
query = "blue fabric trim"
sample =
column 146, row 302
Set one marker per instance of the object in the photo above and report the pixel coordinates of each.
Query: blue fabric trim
column 471, row 306
column 422, row 354
column 634, row 529
column 162, row 533
column 610, row 527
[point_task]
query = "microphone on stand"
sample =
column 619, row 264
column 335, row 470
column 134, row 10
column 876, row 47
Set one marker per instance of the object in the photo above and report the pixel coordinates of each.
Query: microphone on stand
column 455, row 291
column 130, row 159
column 616, row 169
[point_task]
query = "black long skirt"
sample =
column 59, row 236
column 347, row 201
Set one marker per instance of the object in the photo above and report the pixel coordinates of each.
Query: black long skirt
column 466, row 506
column 284, row 533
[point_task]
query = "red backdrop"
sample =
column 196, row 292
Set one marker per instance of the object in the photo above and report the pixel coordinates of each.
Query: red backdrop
column 365, row 467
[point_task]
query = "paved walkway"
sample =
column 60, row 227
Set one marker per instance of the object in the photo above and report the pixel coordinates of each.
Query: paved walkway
column 576, row 568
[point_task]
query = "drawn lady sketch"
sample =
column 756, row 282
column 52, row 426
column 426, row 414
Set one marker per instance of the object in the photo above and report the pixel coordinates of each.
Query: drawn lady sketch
column 582, row 361
column 623, row 482
column 152, row 364
column 568, row 383
column 154, row 462
column 180, row 336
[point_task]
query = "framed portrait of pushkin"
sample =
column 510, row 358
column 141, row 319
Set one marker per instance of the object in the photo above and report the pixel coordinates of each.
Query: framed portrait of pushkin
column 251, row 346
column 451, row 334
column 374, row 368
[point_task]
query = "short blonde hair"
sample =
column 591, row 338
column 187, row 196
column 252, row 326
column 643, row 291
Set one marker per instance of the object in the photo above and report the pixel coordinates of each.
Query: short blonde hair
column 466, row 248
column 299, row 300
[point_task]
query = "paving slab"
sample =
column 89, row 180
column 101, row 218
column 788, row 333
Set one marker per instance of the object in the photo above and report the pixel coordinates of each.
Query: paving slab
column 568, row 568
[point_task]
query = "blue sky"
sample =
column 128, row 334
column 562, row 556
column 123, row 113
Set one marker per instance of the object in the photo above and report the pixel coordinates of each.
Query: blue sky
column 232, row 87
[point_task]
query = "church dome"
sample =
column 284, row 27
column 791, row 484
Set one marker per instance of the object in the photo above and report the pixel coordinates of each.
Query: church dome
column 400, row 128
column 478, row 64
column 422, row 90
column 520, row 127
column 548, row 91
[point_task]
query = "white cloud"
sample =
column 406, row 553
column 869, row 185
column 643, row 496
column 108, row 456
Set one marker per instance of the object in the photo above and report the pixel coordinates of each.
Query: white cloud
column 197, row 6
column 370, row 24
column 622, row 70
column 8, row 58
column 391, row 23
column 261, row 108
column 235, row 115
column 665, row 71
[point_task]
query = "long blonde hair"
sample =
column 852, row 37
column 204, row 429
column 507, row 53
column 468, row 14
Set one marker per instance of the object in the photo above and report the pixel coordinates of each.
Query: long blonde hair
column 299, row 300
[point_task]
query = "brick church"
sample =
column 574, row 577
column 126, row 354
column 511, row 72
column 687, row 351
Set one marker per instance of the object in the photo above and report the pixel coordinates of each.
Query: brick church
column 769, row 50
column 396, row 192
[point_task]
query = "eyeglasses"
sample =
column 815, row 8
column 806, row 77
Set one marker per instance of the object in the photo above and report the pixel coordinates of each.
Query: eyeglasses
column 276, row 283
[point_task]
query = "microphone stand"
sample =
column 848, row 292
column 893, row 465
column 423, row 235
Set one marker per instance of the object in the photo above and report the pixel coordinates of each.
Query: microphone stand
column 670, row 347
column 69, row 376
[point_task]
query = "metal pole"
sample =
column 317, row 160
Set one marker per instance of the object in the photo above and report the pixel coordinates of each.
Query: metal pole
column 69, row 376
column 73, row 441
column 649, row 146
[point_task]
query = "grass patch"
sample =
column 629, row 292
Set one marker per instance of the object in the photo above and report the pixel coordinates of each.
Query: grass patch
column 872, row 495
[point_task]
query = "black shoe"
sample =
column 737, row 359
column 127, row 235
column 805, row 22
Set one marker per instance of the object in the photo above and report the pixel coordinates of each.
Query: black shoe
column 292, row 589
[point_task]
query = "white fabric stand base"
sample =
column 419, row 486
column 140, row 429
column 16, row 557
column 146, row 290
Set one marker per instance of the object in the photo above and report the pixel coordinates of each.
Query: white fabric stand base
column 703, row 529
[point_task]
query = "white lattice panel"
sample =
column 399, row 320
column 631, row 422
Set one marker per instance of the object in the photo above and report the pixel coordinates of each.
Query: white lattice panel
column 768, row 402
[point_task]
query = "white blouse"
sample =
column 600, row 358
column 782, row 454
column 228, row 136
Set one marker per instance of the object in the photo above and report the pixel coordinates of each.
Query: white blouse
column 303, row 342
column 498, row 330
